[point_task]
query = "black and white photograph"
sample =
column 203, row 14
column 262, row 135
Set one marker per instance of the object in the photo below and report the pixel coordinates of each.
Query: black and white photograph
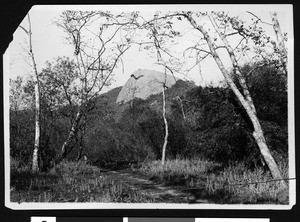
column 150, row 107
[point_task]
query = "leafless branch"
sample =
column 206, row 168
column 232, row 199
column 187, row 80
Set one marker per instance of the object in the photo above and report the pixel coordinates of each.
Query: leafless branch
column 198, row 49
column 240, row 42
column 233, row 33
column 259, row 18
column 207, row 54
column 23, row 29
column 111, row 70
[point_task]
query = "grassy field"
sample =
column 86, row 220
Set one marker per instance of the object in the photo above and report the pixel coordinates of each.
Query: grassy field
column 209, row 180
column 205, row 180
column 70, row 182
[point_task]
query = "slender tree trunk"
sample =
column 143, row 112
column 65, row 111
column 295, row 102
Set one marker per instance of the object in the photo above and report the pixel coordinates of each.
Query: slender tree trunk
column 280, row 40
column 159, row 58
column 198, row 62
column 278, row 32
column 181, row 105
column 258, row 132
column 79, row 155
column 67, row 148
column 35, row 156
column 36, row 151
column 166, row 128
column 234, row 62
column 236, row 67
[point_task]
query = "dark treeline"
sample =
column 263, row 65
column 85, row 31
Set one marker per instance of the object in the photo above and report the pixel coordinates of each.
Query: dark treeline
column 204, row 122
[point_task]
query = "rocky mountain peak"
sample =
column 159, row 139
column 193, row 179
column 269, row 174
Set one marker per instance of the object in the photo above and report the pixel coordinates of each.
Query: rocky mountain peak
column 144, row 83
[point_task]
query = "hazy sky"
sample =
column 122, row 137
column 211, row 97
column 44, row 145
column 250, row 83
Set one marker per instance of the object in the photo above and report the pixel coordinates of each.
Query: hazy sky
column 49, row 41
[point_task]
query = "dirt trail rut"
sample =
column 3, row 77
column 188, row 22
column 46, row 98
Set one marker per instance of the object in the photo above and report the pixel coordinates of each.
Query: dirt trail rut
column 157, row 191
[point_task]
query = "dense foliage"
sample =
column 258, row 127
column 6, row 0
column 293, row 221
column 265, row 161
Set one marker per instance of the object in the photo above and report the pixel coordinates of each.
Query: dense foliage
column 204, row 122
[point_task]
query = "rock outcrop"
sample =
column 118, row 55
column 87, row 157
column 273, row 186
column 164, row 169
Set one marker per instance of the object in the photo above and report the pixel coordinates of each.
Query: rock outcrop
column 144, row 83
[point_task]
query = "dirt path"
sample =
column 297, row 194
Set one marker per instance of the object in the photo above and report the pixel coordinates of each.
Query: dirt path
column 157, row 191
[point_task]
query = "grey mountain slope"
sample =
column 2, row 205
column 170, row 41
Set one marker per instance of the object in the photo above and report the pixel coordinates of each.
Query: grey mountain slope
column 144, row 83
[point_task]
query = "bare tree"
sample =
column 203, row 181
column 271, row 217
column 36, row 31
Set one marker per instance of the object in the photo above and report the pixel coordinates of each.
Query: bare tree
column 244, row 97
column 210, row 42
column 163, row 83
column 35, row 157
column 99, row 39
column 165, row 120
column 159, row 53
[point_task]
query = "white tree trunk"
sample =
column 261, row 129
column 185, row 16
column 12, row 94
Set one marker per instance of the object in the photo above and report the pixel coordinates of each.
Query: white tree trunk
column 166, row 128
column 235, row 65
column 83, row 128
column 258, row 132
column 36, row 150
column 198, row 62
column 278, row 32
column 280, row 40
column 66, row 148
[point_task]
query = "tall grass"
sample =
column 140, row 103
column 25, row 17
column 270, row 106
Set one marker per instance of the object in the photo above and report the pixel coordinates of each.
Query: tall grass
column 233, row 184
column 71, row 182
column 81, row 182
column 247, row 186
column 177, row 171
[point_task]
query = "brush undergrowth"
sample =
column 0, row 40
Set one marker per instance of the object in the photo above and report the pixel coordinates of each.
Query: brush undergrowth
column 233, row 184
column 70, row 182
column 81, row 182
column 177, row 171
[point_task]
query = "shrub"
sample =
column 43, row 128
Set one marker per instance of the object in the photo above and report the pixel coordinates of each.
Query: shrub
column 18, row 166
column 212, row 129
column 21, row 128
